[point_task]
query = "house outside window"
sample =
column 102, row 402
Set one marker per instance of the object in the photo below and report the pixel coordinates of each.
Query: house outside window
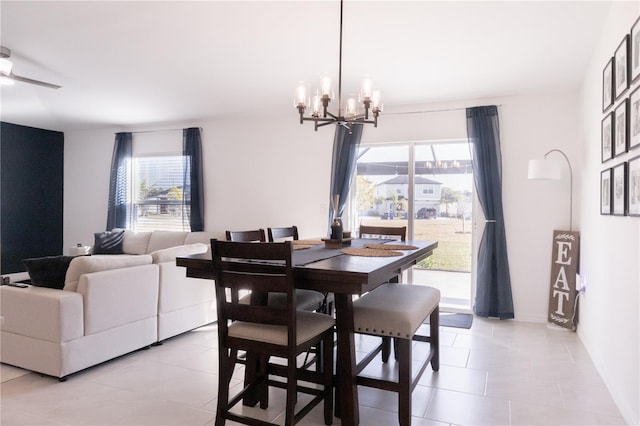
column 393, row 192
column 158, row 194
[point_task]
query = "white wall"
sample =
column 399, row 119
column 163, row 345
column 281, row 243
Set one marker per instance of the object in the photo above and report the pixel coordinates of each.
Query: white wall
column 610, row 260
column 87, row 162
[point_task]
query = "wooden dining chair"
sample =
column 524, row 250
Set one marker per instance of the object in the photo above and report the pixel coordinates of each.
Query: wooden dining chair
column 308, row 300
column 392, row 232
column 266, row 331
column 256, row 235
column 397, row 311
column 327, row 302
column 280, row 233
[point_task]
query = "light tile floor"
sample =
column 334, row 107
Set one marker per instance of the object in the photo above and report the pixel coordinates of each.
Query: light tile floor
column 496, row 373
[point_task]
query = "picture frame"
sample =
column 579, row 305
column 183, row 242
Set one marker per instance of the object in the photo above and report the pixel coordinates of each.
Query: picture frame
column 621, row 130
column 634, row 118
column 607, row 137
column 621, row 67
column 605, row 191
column 607, row 85
column 633, row 186
column 634, row 63
column 619, row 190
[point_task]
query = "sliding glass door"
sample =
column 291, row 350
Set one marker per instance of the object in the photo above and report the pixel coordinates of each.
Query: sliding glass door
column 428, row 187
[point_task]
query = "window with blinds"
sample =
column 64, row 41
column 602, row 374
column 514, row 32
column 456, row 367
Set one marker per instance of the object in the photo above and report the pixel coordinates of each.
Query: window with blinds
column 160, row 200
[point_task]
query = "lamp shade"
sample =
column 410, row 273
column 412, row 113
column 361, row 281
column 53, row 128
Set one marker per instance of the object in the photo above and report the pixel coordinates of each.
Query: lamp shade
column 544, row 169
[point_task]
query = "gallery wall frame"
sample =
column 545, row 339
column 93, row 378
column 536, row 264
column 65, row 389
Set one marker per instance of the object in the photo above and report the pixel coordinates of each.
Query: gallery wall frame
column 607, row 85
column 619, row 190
column 634, row 119
column 621, row 128
column 633, row 186
column 634, row 62
column 607, row 137
column 621, row 67
column 605, row 191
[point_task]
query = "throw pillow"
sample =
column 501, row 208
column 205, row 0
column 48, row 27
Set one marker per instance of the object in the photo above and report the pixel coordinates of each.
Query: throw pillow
column 48, row 271
column 108, row 242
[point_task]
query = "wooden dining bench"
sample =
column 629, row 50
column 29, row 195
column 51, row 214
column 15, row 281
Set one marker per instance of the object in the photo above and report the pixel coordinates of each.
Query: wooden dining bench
column 397, row 311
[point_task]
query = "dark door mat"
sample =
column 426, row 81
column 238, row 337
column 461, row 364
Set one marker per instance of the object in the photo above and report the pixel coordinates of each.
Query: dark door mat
column 448, row 319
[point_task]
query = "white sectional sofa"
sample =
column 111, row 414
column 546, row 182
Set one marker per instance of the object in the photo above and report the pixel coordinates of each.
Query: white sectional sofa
column 110, row 305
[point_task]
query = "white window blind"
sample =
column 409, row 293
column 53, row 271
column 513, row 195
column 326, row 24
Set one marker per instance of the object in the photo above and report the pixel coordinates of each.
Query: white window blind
column 157, row 191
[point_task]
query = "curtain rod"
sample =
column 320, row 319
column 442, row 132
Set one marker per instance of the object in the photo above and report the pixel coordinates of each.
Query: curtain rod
column 157, row 131
column 430, row 111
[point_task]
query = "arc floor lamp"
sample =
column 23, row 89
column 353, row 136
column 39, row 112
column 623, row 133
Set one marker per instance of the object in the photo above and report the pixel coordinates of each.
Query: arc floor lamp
column 563, row 297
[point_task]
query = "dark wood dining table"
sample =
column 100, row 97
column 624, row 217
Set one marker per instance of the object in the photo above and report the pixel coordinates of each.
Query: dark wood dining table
column 345, row 276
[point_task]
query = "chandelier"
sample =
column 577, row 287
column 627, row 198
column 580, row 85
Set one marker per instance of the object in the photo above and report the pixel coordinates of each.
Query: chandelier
column 369, row 98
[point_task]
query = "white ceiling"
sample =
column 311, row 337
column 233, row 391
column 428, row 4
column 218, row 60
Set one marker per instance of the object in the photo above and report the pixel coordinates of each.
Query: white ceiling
column 128, row 64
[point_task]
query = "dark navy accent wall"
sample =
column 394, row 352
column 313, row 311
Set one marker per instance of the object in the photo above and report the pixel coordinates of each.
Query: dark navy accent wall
column 31, row 191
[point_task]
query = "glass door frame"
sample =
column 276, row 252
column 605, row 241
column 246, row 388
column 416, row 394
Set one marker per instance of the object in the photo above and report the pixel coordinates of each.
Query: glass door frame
column 476, row 217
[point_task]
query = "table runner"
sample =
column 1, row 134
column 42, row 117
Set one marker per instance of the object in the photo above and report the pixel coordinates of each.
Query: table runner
column 319, row 252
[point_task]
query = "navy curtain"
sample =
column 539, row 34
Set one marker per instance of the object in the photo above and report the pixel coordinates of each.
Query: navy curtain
column 193, row 192
column 493, row 292
column 345, row 154
column 117, row 213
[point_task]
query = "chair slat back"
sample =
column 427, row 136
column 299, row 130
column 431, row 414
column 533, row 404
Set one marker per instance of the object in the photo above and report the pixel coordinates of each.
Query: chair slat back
column 260, row 268
column 384, row 231
column 246, row 236
column 287, row 232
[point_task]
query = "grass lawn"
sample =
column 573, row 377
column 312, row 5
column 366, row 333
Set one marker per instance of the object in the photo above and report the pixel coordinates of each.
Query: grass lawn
column 454, row 241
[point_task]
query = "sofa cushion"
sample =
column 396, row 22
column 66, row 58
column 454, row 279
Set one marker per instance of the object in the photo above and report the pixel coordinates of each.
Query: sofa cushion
column 39, row 314
column 48, row 271
column 170, row 254
column 108, row 242
column 85, row 264
column 135, row 242
column 164, row 239
column 119, row 297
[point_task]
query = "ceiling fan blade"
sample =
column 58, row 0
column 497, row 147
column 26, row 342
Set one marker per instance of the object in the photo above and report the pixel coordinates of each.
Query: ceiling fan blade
column 32, row 81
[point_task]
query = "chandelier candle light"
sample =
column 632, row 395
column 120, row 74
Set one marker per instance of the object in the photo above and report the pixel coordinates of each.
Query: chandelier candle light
column 369, row 98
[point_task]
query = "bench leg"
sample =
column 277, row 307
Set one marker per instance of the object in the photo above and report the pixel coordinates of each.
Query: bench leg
column 404, row 380
column 386, row 348
column 434, row 331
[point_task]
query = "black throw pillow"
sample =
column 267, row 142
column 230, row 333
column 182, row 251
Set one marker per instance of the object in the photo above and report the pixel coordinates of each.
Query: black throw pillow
column 108, row 242
column 48, row 271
